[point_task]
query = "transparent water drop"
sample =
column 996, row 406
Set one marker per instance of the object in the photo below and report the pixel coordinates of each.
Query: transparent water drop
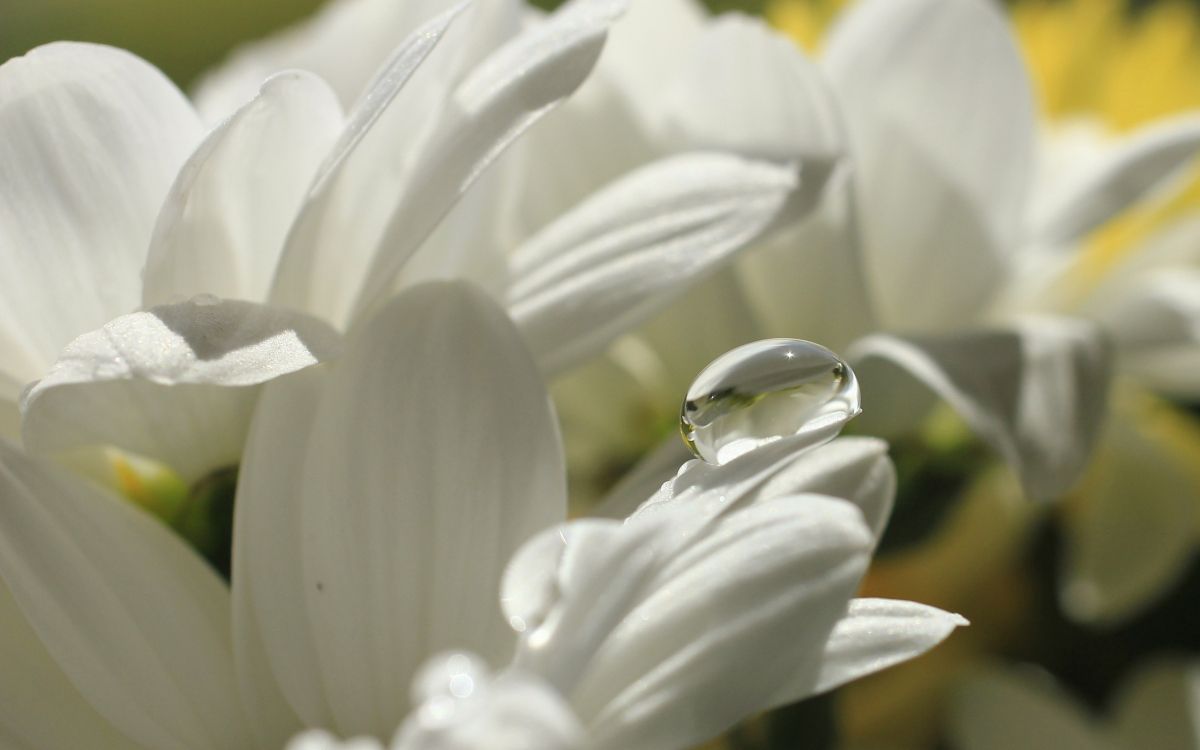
column 762, row 392
column 454, row 674
column 206, row 300
column 447, row 687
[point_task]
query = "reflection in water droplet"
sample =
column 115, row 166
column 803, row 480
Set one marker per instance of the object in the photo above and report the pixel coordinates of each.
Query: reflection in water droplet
column 764, row 391
column 206, row 300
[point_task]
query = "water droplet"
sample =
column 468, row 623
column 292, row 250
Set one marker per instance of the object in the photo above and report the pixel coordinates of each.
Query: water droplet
column 456, row 675
column 206, row 300
column 762, row 392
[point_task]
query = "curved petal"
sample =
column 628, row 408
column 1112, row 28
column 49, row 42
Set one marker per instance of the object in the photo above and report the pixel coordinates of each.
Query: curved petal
column 479, row 118
column 1036, row 392
column 433, row 454
column 855, row 469
column 173, row 383
column 1116, row 181
column 1000, row 709
column 748, row 89
column 1132, row 535
column 506, row 94
column 648, row 49
column 875, row 634
column 1155, row 323
column 39, row 707
column 372, row 28
column 327, row 247
column 809, row 281
column 673, row 631
column 644, row 480
column 278, row 671
column 93, row 138
column 222, row 227
column 632, row 248
column 941, row 120
column 94, row 576
column 1160, row 707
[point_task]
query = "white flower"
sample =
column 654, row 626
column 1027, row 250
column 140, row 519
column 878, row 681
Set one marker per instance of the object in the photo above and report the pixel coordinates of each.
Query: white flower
column 922, row 113
column 322, row 216
column 1158, row 707
column 379, row 498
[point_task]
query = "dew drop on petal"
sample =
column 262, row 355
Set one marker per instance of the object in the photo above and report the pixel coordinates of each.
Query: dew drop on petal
column 762, row 392
column 455, row 675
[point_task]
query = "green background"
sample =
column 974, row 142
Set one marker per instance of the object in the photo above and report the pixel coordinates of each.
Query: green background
column 183, row 37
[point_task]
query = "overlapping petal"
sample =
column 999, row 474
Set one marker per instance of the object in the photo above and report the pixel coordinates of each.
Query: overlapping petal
column 137, row 621
column 39, row 707
column 1036, row 392
column 93, row 138
column 222, row 227
column 625, row 622
column 175, row 383
column 631, row 249
column 1109, row 184
column 386, row 521
column 940, row 116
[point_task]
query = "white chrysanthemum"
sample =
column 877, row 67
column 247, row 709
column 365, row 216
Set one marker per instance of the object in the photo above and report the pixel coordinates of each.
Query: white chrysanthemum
column 941, row 260
column 379, row 499
column 115, row 202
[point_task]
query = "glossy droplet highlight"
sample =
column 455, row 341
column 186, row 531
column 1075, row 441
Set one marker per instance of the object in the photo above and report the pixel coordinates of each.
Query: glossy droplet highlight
column 763, row 392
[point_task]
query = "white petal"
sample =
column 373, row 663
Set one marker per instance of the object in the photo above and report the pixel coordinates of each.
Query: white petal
column 644, row 479
column 874, row 635
column 1160, row 707
column 138, row 622
column 748, row 89
column 329, row 244
column 433, row 454
column 1126, row 175
column 595, row 137
column 1133, row 535
column 722, row 621
column 372, row 28
column 39, row 707
column 635, row 246
column 1036, row 392
column 225, row 218
column 273, row 637
column 942, row 126
column 1155, row 323
column 855, row 469
column 503, row 96
column 1001, row 710
column 809, row 280
column 649, row 48
column 173, row 383
column 93, row 138
column 513, row 712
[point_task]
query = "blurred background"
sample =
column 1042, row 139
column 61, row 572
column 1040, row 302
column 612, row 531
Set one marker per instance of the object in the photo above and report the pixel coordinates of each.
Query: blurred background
column 182, row 37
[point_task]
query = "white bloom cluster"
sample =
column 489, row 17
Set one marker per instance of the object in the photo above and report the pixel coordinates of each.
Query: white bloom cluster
column 345, row 270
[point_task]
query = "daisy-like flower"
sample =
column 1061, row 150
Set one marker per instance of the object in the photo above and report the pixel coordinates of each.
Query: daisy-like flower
column 380, row 496
column 922, row 115
column 322, row 216
column 1157, row 707
column 1108, row 231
